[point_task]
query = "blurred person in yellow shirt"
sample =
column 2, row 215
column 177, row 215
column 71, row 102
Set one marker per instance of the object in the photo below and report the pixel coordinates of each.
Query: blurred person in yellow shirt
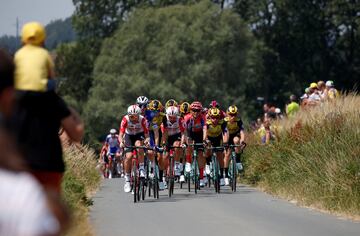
column 34, row 66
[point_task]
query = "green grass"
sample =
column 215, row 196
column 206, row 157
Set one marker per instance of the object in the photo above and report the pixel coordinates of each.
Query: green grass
column 316, row 159
column 80, row 181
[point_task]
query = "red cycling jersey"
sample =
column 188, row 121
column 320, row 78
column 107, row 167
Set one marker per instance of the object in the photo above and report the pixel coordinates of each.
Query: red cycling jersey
column 133, row 128
column 174, row 128
column 194, row 125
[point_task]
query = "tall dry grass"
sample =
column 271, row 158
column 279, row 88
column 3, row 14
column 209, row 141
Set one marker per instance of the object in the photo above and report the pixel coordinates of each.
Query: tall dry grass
column 80, row 181
column 316, row 159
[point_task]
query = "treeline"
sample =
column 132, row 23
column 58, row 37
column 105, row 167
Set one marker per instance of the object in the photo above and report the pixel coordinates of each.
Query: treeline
column 231, row 51
column 58, row 31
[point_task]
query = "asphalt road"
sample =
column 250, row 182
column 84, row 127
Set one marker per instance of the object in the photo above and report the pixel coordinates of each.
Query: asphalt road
column 246, row 212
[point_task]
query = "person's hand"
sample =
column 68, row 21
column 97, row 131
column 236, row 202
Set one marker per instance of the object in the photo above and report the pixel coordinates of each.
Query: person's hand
column 226, row 145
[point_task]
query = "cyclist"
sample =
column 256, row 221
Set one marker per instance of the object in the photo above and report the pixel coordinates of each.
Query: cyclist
column 133, row 131
column 184, row 109
column 196, row 132
column 217, row 134
column 236, row 136
column 113, row 147
column 142, row 102
column 103, row 160
column 215, row 104
column 155, row 119
column 175, row 136
column 170, row 102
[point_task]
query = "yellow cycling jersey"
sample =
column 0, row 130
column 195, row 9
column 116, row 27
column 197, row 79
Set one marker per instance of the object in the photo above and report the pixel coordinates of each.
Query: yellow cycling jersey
column 214, row 131
column 234, row 127
column 155, row 121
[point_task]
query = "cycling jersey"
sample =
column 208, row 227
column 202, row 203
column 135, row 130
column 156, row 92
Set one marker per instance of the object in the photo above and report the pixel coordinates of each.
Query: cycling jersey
column 194, row 125
column 216, row 130
column 112, row 143
column 174, row 128
column 234, row 127
column 133, row 128
column 155, row 119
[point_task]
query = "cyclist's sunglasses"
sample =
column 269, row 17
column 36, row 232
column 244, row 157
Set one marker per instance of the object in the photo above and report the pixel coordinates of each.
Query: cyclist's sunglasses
column 195, row 110
column 133, row 116
column 232, row 115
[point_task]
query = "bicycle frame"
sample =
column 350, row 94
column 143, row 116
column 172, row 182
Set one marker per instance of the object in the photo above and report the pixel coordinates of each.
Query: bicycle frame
column 216, row 167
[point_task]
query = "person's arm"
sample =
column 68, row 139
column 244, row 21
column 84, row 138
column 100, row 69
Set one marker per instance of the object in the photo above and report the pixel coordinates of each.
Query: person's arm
column 51, row 71
column 73, row 126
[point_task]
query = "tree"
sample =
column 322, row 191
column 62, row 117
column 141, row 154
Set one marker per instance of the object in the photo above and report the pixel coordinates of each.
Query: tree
column 195, row 52
column 306, row 41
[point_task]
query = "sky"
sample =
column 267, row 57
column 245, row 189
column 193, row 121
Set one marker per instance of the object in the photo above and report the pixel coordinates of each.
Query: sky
column 42, row 11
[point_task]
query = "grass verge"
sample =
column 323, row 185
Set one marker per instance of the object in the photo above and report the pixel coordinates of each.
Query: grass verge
column 316, row 159
column 80, row 180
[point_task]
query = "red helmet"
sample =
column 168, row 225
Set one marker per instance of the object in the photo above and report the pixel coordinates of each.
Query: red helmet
column 214, row 104
column 196, row 106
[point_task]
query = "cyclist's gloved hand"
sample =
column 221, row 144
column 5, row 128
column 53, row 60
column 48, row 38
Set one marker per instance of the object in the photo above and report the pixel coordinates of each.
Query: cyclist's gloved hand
column 226, row 145
column 122, row 145
column 183, row 145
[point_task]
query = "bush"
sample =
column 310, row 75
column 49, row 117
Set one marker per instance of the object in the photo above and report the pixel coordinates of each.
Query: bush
column 80, row 180
column 316, row 158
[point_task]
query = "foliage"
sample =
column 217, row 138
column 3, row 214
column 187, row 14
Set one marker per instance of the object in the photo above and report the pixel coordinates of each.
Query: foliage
column 315, row 160
column 74, row 65
column 80, row 180
column 59, row 31
column 188, row 53
column 308, row 41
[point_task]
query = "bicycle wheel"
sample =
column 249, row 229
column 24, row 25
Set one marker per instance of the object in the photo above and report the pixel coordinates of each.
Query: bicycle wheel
column 142, row 185
column 171, row 176
column 134, row 182
column 196, row 176
column 234, row 175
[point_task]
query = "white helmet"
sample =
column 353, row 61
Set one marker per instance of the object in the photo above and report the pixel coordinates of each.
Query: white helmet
column 113, row 131
column 142, row 100
column 172, row 111
column 134, row 110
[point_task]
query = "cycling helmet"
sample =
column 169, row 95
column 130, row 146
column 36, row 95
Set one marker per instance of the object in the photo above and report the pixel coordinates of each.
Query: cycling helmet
column 113, row 131
column 142, row 101
column 185, row 108
column 214, row 112
column 329, row 83
column 134, row 110
column 170, row 102
column 33, row 33
column 214, row 104
column 232, row 110
column 155, row 105
column 172, row 111
column 196, row 106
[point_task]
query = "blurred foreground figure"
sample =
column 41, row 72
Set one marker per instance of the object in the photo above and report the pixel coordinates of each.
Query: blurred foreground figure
column 25, row 209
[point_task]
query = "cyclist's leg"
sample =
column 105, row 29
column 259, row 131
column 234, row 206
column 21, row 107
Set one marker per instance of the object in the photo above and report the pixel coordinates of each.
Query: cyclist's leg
column 127, row 162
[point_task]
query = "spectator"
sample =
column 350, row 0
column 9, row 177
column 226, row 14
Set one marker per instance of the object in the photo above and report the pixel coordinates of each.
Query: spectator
column 314, row 97
column 24, row 207
column 321, row 88
column 332, row 92
column 293, row 107
column 40, row 111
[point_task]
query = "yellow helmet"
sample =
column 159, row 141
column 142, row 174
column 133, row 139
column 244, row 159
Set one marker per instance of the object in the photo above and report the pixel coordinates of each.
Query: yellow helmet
column 214, row 112
column 232, row 110
column 33, row 33
column 170, row 102
column 155, row 105
column 185, row 108
column 313, row 85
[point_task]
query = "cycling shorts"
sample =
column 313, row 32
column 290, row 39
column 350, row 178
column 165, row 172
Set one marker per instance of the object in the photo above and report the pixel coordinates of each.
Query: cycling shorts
column 173, row 138
column 152, row 138
column 216, row 141
column 231, row 138
column 130, row 140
